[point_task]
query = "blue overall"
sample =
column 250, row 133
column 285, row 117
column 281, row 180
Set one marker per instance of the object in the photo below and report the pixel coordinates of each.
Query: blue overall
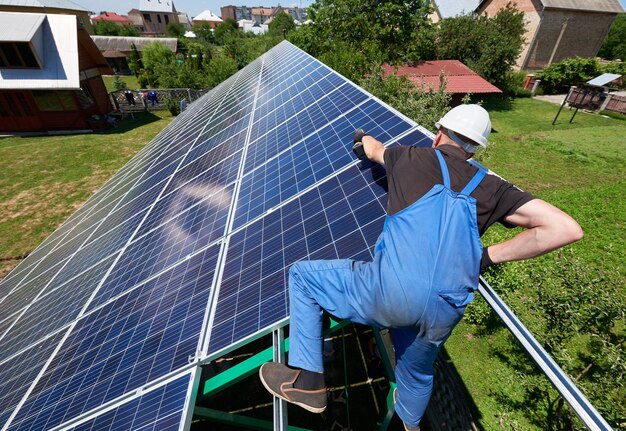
column 424, row 272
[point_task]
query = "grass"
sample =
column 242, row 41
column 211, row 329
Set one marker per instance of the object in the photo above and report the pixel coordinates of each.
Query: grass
column 130, row 80
column 579, row 167
column 45, row 179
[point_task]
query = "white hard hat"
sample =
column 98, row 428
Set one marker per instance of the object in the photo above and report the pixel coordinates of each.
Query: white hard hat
column 471, row 121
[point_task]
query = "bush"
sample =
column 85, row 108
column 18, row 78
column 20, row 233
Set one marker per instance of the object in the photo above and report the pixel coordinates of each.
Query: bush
column 173, row 105
column 425, row 106
column 558, row 77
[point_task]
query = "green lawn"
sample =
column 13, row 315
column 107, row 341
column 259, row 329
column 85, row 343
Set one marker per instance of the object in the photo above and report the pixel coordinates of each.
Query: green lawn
column 131, row 82
column 579, row 167
column 45, row 179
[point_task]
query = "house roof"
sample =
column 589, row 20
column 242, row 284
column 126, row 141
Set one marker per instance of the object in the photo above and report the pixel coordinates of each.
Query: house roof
column 452, row 8
column 207, row 15
column 166, row 6
column 124, row 43
column 113, row 17
column 54, row 4
column 19, row 27
column 613, row 6
column 60, row 65
column 459, row 77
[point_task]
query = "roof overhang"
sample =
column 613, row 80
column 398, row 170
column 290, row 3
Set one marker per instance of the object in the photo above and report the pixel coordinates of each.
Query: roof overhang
column 58, row 47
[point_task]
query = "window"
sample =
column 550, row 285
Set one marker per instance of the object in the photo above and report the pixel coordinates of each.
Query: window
column 159, row 18
column 167, row 19
column 17, row 55
column 147, row 17
column 47, row 100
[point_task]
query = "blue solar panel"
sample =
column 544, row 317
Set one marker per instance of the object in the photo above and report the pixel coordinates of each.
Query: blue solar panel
column 184, row 252
column 159, row 410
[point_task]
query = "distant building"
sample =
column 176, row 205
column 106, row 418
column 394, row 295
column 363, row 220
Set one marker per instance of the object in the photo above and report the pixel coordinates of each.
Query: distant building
column 112, row 17
column 183, row 18
column 450, row 8
column 236, row 13
column 298, row 14
column 559, row 29
column 207, row 17
column 153, row 16
column 249, row 26
column 262, row 14
column 460, row 79
column 62, row 7
column 117, row 49
column 50, row 74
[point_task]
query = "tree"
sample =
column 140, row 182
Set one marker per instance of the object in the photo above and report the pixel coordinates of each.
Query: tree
column 204, row 32
column 382, row 30
column 118, row 84
column 155, row 56
column 133, row 60
column 614, row 46
column 281, row 24
column 489, row 46
column 225, row 30
column 175, row 29
column 220, row 68
column 106, row 28
column 129, row 30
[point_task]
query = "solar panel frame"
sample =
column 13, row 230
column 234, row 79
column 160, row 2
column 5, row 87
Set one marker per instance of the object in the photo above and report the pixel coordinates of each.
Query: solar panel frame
column 156, row 215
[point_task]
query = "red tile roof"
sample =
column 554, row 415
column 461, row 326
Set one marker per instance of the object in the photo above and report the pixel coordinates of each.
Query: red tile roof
column 113, row 17
column 459, row 77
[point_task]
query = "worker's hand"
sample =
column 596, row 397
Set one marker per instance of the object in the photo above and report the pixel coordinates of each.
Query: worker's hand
column 485, row 261
column 357, row 148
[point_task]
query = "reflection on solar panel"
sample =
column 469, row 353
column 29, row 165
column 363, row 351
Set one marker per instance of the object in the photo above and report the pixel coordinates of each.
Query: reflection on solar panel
column 182, row 255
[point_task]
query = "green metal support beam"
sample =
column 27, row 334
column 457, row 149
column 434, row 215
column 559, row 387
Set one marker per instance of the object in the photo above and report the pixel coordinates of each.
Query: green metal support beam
column 238, row 420
column 250, row 366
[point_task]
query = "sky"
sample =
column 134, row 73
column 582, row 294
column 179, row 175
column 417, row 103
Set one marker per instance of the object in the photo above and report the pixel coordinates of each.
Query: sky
column 193, row 7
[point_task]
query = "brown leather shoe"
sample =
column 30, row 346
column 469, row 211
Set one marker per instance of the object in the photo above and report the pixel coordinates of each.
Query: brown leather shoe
column 278, row 379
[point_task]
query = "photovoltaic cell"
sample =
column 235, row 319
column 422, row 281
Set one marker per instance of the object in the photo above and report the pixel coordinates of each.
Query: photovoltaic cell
column 183, row 255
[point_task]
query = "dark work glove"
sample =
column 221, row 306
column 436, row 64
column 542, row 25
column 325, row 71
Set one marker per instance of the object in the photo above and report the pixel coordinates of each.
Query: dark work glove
column 358, row 148
column 485, row 261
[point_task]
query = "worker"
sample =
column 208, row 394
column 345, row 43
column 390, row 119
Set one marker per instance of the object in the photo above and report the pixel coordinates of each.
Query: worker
column 426, row 262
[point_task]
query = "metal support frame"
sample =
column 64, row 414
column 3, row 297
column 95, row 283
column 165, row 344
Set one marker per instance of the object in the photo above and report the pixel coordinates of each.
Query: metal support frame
column 280, row 346
column 280, row 406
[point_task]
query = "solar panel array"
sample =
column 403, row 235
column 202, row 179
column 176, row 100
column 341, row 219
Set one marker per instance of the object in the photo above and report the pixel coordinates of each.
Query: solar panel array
column 183, row 255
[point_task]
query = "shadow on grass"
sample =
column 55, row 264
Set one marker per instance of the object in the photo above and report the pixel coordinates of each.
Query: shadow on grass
column 496, row 102
column 138, row 119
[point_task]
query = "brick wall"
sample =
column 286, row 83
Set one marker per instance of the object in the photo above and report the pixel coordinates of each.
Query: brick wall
column 583, row 32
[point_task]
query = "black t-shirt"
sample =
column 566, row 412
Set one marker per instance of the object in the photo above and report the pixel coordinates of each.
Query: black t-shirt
column 413, row 171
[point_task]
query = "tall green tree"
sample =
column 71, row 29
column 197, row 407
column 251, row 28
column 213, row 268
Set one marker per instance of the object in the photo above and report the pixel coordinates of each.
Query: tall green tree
column 281, row 25
column 225, row 31
column 175, row 29
column 133, row 60
column 107, row 28
column 489, row 46
column 614, row 45
column 154, row 57
column 381, row 30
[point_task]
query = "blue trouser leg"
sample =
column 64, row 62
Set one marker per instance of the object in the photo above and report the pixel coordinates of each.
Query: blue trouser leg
column 313, row 286
column 415, row 356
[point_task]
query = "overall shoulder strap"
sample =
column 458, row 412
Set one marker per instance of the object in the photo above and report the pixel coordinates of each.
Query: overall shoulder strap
column 444, row 169
column 473, row 183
